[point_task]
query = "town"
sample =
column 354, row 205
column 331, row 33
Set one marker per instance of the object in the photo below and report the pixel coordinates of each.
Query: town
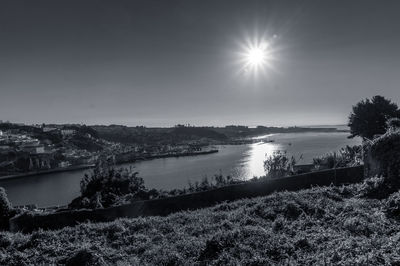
column 45, row 148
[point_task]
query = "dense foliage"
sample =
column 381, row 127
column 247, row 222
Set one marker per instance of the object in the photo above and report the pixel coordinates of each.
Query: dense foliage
column 106, row 185
column 5, row 209
column 183, row 132
column 345, row 157
column 392, row 205
column 143, row 135
column 393, row 124
column 319, row 226
column 386, row 151
column 369, row 117
column 279, row 165
column 84, row 142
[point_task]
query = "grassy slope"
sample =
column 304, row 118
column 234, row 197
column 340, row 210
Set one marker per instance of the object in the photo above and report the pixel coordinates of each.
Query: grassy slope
column 316, row 226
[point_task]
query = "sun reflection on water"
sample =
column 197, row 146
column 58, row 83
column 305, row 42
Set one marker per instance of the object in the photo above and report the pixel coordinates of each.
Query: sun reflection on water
column 255, row 157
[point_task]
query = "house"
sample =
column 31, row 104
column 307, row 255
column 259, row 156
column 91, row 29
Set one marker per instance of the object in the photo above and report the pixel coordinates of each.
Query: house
column 37, row 149
column 49, row 129
column 68, row 132
column 64, row 164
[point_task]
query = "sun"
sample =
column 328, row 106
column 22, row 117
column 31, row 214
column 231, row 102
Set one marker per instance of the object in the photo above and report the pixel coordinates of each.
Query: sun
column 257, row 56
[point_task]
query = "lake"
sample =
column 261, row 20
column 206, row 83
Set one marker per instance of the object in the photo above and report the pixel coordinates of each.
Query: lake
column 240, row 161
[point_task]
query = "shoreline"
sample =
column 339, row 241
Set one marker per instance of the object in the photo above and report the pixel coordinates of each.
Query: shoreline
column 152, row 157
column 87, row 166
column 49, row 171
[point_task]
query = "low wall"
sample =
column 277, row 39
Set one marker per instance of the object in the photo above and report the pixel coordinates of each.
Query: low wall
column 28, row 223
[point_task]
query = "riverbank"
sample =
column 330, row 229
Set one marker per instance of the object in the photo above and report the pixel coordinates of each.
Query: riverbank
column 169, row 155
column 49, row 171
column 87, row 166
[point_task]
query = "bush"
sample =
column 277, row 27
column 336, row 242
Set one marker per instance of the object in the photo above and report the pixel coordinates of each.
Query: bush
column 106, row 186
column 345, row 157
column 392, row 205
column 279, row 165
column 393, row 124
column 386, row 151
column 205, row 184
column 6, row 210
column 374, row 187
column 85, row 257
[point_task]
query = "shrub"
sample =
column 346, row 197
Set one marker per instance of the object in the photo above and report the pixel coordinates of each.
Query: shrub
column 106, row 185
column 393, row 124
column 84, row 257
column 5, row 241
column 392, row 205
column 345, row 157
column 386, row 151
column 205, row 184
column 374, row 187
column 5, row 209
column 279, row 165
column 357, row 226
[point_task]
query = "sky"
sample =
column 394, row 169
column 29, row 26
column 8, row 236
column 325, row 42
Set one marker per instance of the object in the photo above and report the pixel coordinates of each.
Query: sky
column 161, row 63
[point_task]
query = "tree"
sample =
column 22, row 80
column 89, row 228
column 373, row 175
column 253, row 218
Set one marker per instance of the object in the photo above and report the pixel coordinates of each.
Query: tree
column 369, row 117
column 106, row 186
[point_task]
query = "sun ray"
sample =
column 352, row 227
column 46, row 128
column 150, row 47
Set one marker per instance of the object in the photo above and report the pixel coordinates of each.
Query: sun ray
column 257, row 55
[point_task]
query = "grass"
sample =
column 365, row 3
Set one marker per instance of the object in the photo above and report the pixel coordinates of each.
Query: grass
column 322, row 226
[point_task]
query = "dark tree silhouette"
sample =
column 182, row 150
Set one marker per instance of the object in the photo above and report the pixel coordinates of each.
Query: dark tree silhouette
column 369, row 117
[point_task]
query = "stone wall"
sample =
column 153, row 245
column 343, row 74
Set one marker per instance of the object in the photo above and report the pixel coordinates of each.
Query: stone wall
column 28, row 223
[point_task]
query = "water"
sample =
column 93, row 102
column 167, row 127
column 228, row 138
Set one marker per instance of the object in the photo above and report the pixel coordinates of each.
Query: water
column 241, row 161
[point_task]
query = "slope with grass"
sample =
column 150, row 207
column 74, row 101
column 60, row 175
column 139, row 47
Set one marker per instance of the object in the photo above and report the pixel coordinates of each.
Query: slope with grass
column 328, row 225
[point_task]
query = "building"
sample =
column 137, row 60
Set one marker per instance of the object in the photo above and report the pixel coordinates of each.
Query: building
column 49, row 129
column 64, row 164
column 37, row 149
column 68, row 132
column 5, row 147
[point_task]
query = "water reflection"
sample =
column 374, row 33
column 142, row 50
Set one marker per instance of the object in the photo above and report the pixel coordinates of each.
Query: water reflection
column 240, row 161
column 255, row 156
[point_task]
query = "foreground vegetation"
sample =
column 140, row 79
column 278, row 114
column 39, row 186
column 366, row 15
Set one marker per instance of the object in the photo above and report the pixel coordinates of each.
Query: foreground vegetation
column 329, row 225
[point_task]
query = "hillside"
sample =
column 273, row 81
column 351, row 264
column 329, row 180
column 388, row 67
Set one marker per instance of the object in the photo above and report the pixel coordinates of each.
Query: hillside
column 129, row 135
column 327, row 225
column 196, row 132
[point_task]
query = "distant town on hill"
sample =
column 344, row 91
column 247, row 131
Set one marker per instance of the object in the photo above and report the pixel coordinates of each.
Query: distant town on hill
column 48, row 147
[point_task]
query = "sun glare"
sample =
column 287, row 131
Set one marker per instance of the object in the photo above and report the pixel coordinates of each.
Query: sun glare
column 257, row 56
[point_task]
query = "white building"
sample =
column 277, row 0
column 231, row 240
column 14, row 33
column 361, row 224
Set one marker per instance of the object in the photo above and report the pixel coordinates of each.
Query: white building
column 48, row 129
column 68, row 132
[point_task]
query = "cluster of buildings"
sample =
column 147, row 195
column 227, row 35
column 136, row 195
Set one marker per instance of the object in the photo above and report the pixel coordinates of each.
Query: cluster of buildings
column 10, row 140
column 127, row 153
column 21, row 151
column 42, row 147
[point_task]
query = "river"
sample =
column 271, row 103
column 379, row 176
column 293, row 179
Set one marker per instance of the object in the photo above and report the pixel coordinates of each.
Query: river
column 239, row 161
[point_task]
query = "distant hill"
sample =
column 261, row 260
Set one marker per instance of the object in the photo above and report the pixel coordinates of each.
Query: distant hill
column 130, row 135
column 198, row 132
